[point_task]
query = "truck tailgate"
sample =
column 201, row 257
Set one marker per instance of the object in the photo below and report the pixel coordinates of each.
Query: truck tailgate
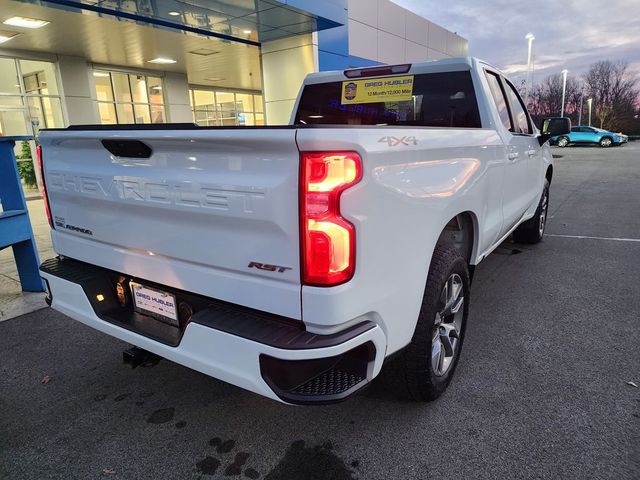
column 208, row 211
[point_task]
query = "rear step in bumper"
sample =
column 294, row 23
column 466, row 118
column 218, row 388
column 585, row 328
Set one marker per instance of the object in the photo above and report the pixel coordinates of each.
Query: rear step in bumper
column 275, row 359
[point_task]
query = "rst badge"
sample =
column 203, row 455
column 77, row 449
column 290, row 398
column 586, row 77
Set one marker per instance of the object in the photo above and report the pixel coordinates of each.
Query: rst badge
column 267, row 267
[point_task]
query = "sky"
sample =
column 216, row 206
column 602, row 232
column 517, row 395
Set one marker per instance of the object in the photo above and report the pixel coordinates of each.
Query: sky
column 569, row 34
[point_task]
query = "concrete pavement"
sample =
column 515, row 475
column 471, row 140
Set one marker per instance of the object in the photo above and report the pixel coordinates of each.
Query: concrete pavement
column 541, row 390
column 13, row 301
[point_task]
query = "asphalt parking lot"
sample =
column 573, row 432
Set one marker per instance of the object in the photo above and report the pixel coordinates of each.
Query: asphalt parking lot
column 541, row 391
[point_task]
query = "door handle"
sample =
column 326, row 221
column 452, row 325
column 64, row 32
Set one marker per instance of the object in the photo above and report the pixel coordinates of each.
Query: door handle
column 512, row 156
column 531, row 153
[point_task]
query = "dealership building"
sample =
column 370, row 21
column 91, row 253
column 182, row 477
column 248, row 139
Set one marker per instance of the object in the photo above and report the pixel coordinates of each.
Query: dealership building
column 212, row 62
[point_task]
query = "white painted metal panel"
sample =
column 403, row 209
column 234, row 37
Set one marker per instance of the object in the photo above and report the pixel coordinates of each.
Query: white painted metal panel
column 415, row 52
column 391, row 18
column 390, row 48
column 406, row 197
column 192, row 216
column 417, row 28
column 364, row 11
column 437, row 38
column 363, row 40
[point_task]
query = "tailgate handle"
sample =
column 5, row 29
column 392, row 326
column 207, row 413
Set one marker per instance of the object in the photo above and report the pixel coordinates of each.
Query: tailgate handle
column 127, row 148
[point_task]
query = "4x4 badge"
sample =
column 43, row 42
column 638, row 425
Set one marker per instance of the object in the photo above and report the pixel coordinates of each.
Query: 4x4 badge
column 395, row 141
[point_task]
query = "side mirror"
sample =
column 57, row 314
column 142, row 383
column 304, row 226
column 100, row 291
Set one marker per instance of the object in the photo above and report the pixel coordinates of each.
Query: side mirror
column 554, row 126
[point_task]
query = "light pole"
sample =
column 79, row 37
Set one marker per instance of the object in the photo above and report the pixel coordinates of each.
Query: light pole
column 589, row 102
column 530, row 38
column 581, row 99
column 564, row 88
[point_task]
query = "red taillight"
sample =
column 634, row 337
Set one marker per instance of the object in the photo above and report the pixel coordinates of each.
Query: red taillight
column 44, row 187
column 328, row 241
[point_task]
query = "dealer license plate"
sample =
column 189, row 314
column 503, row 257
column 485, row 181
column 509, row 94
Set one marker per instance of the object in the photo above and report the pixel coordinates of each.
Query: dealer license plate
column 155, row 303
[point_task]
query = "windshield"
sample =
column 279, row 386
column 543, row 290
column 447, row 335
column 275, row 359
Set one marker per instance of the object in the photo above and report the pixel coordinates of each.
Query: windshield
column 432, row 100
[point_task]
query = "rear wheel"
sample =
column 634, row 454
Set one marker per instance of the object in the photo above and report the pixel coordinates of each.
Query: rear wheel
column 563, row 142
column 532, row 230
column 427, row 365
column 606, row 142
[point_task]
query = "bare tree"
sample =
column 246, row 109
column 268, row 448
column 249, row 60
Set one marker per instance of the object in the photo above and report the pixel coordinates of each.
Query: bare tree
column 546, row 98
column 614, row 92
column 616, row 100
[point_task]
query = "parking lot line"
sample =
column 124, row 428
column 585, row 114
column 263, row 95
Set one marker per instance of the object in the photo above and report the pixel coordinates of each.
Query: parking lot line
column 615, row 239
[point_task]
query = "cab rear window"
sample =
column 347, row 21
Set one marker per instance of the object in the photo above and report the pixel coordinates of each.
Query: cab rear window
column 437, row 100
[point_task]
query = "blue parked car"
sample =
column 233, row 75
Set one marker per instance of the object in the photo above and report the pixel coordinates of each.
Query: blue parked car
column 582, row 134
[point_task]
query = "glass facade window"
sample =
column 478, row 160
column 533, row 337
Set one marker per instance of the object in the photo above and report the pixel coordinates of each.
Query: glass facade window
column 29, row 97
column 225, row 108
column 29, row 101
column 129, row 97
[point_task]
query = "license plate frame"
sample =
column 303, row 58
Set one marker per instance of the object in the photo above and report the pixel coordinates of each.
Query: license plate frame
column 155, row 303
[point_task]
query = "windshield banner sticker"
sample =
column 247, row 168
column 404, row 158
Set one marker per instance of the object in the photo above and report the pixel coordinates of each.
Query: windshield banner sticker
column 377, row 90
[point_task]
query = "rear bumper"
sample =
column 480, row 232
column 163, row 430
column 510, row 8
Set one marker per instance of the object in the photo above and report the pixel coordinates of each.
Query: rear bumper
column 277, row 360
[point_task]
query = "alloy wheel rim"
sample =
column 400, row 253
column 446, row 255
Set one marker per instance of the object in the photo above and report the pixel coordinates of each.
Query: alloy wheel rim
column 606, row 142
column 562, row 142
column 544, row 205
column 447, row 325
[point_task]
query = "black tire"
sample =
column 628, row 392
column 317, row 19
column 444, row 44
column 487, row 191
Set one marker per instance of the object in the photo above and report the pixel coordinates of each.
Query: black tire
column 532, row 230
column 606, row 142
column 562, row 142
column 414, row 371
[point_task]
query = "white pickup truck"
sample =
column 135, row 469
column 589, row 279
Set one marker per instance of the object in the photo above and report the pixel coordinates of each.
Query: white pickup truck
column 292, row 261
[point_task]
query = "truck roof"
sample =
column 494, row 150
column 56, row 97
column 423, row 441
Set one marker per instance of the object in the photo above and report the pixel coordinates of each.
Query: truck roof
column 430, row 66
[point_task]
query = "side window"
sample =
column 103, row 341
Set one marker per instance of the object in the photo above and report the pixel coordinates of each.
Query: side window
column 520, row 117
column 498, row 97
column 576, row 129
